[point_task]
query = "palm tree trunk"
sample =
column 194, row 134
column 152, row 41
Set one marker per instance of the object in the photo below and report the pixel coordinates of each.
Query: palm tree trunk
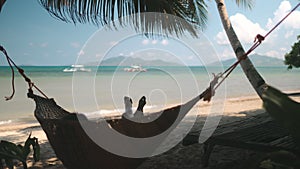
column 253, row 76
column 2, row 4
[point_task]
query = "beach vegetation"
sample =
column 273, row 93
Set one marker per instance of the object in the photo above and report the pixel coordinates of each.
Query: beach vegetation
column 280, row 160
column 10, row 151
column 292, row 59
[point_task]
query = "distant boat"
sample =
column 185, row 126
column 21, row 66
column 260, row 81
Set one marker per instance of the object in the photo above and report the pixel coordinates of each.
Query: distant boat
column 135, row 68
column 77, row 68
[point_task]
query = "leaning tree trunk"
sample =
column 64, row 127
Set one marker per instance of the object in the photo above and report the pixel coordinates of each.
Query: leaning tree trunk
column 253, row 76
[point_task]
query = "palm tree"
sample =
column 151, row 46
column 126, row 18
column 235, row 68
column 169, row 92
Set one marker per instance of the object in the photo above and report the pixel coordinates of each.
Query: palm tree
column 193, row 12
column 253, row 76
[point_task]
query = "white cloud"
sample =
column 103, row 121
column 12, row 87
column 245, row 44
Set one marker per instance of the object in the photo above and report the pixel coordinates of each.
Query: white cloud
column 222, row 38
column 293, row 21
column 283, row 49
column 283, row 8
column 245, row 29
column 274, row 53
column 227, row 53
column 289, row 34
column 277, row 43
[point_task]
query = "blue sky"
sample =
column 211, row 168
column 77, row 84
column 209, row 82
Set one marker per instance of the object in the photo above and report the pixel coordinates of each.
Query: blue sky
column 33, row 37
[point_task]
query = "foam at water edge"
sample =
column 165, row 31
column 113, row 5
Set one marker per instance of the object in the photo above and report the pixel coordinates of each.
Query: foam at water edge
column 5, row 122
column 114, row 112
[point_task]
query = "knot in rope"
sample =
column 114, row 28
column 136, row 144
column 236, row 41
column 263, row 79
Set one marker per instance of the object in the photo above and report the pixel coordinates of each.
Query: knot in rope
column 2, row 49
column 210, row 92
column 259, row 38
column 257, row 41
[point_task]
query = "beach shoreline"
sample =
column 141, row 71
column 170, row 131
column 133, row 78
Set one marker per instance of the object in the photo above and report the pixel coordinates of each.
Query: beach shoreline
column 236, row 108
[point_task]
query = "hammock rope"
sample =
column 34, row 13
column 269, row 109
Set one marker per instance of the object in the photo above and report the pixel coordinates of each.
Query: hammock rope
column 257, row 41
column 207, row 94
column 21, row 71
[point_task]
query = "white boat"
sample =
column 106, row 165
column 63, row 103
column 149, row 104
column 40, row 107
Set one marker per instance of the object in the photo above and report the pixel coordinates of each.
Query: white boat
column 135, row 68
column 77, row 68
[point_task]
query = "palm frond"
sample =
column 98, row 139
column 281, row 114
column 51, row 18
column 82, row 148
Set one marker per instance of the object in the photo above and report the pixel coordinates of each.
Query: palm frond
column 248, row 4
column 102, row 12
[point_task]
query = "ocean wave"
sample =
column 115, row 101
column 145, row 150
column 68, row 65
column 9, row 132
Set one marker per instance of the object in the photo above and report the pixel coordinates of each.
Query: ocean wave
column 111, row 112
column 5, row 122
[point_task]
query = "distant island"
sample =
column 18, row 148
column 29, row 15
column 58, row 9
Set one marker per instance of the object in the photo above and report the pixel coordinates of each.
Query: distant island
column 257, row 60
column 128, row 61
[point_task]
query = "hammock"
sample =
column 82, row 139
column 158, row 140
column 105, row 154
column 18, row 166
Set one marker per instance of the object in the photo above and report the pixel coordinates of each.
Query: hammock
column 284, row 110
column 70, row 142
column 75, row 148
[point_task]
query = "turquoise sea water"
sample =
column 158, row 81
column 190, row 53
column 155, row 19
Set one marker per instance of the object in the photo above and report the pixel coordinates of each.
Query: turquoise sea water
column 102, row 90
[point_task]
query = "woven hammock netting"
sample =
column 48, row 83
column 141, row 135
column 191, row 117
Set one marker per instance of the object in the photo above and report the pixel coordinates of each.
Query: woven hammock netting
column 77, row 150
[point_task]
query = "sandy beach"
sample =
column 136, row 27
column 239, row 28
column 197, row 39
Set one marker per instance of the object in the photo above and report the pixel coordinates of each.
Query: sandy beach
column 107, row 70
column 177, row 157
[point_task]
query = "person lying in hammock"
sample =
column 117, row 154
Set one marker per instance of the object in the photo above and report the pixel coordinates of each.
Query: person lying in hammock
column 139, row 113
column 128, row 108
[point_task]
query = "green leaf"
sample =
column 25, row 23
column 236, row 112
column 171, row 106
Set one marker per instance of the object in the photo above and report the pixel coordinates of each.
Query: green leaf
column 26, row 148
column 10, row 151
column 36, row 150
column 103, row 12
column 35, row 146
column 292, row 59
column 248, row 4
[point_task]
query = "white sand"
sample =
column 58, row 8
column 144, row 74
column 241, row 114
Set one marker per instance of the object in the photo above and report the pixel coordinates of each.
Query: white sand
column 18, row 133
